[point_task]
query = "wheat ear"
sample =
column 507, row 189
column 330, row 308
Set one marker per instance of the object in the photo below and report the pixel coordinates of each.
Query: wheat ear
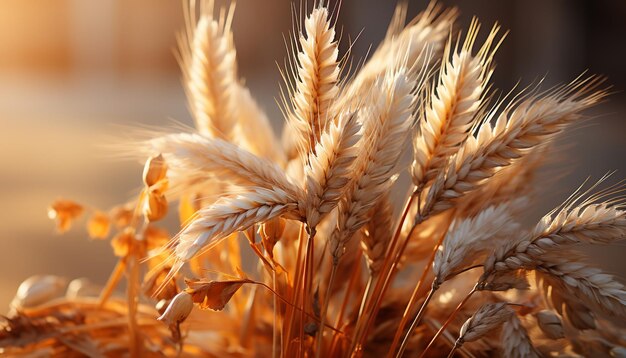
column 453, row 105
column 518, row 130
column 386, row 124
column 232, row 214
column 428, row 30
column 588, row 222
column 515, row 341
column 328, row 169
column 377, row 236
column 597, row 290
column 316, row 85
column 207, row 58
column 488, row 317
column 577, row 313
column 472, row 237
column 196, row 156
column 254, row 129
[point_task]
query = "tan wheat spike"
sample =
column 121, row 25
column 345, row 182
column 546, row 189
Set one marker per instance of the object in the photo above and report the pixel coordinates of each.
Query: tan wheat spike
column 454, row 104
column 519, row 129
column 202, row 158
column 577, row 313
column 232, row 214
column 316, row 85
column 328, row 170
column 398, row 20
column 429, row 29
column 515, row 341
column 519, row 177
column 488, row 317
column 255, row 129
column 587, row 222
column 386, row 124
column 207, row 59
column 596, row 289
column 378, row 233
column 470, row 238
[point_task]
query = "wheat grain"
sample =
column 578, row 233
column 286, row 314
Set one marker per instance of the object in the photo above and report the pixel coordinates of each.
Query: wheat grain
column 318, row 212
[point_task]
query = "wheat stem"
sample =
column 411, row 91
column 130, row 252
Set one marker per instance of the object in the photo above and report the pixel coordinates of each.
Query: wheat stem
column 414, row 294
column 329, row 287
column 448, row 321
column 415, row 322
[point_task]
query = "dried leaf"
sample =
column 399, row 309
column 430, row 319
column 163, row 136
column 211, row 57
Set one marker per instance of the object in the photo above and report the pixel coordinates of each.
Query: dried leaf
column 122, row 242
column 99, row 225
column 214, row 295
column 64, row 212
column 155, row 237
column 122, row 215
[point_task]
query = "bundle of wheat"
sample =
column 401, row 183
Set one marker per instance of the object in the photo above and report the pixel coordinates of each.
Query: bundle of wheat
column 336, row 272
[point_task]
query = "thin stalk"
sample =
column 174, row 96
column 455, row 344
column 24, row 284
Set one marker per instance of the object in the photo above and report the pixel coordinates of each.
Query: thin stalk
column 413, row 299
column 356, row 274
column 368, row 286
column 320, row 333
column 133, row 329
column 380, row 283
column 289, row 316
column 454, row 348
column 113, row 280
column 275, row 332
column 308, row 283
column 416, row 321
column 448, row 321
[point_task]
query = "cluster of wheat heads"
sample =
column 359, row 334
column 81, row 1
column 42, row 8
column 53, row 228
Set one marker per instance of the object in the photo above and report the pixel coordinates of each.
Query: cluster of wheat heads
column 294, row 249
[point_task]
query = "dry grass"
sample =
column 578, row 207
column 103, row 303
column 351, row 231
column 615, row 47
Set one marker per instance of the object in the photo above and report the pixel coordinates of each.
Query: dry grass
column 335, row 271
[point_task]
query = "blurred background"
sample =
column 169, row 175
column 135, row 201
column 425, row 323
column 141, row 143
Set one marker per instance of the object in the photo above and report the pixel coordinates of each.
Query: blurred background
column 75, row 71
